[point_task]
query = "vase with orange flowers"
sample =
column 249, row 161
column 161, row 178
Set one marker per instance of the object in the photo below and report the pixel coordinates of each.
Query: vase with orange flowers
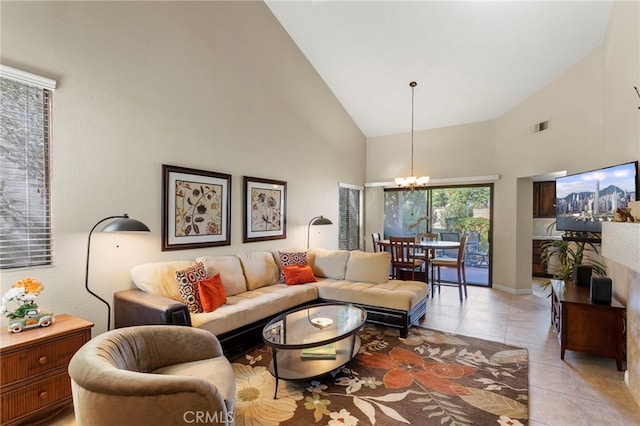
column 23, row 293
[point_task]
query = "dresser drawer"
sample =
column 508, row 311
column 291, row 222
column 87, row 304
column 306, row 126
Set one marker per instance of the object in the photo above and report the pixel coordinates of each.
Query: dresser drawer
column 39, row 359
column 35, row 396
column 33, row 369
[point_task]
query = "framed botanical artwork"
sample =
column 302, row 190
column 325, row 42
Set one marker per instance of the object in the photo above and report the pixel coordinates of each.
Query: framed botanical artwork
column 196, row 208
column 265, row 203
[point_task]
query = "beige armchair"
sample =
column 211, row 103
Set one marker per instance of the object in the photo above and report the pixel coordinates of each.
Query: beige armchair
column 152, row 375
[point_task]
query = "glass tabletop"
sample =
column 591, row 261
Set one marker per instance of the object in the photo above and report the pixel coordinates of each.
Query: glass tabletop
column 313, row 325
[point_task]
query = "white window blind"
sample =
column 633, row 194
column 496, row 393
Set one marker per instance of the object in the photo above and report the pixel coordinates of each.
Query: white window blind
column 25, row 204
column 349, row 228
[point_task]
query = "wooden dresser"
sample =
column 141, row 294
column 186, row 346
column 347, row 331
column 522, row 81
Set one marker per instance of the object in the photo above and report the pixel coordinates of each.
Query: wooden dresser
column 33, row 368
column 585, row 326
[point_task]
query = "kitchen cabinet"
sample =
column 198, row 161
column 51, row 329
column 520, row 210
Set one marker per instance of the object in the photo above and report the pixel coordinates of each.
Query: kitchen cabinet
column 538, row 269
column 544, row 199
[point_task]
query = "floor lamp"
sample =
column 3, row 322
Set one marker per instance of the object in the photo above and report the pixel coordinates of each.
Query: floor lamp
column 123, row 224
column 318, row 220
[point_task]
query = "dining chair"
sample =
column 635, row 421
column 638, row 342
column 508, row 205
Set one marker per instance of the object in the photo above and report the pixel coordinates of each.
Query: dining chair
column 375, row 237
column 449, row 236
column 403, row 257
column 474, row 256
column 447, row 262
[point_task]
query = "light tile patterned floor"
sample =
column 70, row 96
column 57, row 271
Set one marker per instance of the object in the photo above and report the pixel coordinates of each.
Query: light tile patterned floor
column 581, row 390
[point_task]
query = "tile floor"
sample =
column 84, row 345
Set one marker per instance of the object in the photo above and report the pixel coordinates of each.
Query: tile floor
column 581, row 390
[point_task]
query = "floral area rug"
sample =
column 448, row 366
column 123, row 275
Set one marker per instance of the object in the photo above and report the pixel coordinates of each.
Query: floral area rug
column 429, row 378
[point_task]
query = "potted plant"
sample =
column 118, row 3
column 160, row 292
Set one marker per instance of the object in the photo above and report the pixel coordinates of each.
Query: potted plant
column 566, row 254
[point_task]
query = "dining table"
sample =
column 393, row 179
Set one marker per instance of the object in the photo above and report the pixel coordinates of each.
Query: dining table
column 425, row 245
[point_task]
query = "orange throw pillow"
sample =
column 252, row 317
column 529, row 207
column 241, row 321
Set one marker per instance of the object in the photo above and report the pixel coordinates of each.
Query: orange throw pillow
column 211, row 293
column 298, row 274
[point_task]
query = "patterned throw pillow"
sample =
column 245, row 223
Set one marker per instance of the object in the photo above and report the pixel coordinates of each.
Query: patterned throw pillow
column 291, row 258
column 188, row 285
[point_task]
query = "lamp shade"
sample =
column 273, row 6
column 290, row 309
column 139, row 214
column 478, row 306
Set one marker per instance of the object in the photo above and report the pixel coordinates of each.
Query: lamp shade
column 318, row 220
column 126, row 224
column 321, row 220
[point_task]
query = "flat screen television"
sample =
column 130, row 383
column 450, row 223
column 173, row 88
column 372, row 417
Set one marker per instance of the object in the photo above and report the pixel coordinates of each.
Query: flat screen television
column 585, row 200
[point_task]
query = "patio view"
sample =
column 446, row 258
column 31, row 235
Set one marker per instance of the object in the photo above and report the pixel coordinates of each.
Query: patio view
column 450, row 212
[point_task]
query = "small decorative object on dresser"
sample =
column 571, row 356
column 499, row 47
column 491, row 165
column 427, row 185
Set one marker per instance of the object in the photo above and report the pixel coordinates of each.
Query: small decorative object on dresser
column 27, row 314
column 34, row 384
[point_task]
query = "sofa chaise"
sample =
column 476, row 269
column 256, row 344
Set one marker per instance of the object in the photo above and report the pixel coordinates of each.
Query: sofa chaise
column 255, row 293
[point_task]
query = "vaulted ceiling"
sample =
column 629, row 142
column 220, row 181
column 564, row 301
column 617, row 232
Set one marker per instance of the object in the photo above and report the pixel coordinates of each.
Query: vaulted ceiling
column 472, row 60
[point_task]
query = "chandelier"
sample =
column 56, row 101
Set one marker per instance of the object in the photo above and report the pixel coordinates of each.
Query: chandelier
column 412, row 181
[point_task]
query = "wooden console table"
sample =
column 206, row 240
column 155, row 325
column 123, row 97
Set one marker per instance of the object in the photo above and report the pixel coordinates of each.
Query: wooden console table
column 34, row 381
column 585, row 326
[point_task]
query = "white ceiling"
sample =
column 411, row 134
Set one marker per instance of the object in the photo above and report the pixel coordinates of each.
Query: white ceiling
column 472, row 60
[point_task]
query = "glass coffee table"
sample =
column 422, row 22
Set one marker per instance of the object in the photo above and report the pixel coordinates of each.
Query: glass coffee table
column 314, row 340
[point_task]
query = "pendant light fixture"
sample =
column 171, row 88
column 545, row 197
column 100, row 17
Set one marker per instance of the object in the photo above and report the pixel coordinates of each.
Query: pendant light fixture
column 412, row 181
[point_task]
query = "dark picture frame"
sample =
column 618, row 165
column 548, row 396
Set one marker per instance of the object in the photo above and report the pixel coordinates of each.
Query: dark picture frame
column 196, row 208
column 265, row 207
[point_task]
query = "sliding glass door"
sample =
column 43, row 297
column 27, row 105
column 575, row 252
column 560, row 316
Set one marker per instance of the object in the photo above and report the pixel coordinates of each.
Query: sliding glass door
column 451, row 212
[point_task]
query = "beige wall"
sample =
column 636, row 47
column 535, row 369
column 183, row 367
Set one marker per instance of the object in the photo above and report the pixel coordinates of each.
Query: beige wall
column 217, row 86
column 466, row 150
column 594, row 123
column 621, row 120
column 573, row 104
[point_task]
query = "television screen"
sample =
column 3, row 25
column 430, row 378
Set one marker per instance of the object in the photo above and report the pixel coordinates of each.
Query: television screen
column 585, row 200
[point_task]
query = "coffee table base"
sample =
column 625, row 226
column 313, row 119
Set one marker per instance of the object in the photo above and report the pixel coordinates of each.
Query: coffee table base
column 288, row 364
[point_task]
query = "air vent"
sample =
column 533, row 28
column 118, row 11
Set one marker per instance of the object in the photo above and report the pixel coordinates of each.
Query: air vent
column 542, row 126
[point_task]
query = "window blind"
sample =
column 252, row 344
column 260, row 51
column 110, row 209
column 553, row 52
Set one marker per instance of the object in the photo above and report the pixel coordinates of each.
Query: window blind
column 349, row 228
column 25, row 197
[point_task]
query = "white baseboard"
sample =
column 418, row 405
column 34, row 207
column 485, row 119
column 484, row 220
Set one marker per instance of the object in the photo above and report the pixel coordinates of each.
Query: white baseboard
column 512, row 290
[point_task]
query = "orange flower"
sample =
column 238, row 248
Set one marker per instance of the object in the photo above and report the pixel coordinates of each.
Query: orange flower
column 30, row 285
column 404, row 366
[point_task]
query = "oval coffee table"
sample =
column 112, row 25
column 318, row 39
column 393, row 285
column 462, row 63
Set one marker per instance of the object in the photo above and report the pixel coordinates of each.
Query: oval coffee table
column 314, row 340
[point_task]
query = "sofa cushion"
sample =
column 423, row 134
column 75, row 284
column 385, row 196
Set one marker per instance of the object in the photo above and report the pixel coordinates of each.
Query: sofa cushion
column 159, row 278
column 188, row 279
column 368, row 267
column 286, row 258
column 255, row 305
column 230, row 271
column 260, row 269
column 298, row 274
column 394, row 294
column 328, row 263
column 211, row 293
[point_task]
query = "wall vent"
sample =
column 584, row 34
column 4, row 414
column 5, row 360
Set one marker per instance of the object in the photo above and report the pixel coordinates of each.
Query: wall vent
column 542, row 126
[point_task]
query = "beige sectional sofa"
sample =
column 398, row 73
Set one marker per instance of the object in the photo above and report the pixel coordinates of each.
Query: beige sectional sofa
column 255, row 294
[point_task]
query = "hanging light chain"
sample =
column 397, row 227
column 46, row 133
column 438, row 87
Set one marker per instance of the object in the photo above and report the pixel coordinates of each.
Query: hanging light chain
column 412, row 181
column 413, row 85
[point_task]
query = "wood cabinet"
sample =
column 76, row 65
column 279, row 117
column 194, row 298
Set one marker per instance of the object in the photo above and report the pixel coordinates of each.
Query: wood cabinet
column 538, row 269
column 585, row 326
column 544, row 199
column 33, row 364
